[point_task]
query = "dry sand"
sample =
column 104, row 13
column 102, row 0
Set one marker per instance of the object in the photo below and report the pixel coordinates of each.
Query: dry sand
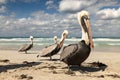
column 20, row 66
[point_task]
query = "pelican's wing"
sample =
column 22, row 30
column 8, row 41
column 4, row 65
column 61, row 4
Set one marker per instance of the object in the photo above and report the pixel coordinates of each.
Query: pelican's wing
column 68, row 50
column 45, row 51
column 24, row 47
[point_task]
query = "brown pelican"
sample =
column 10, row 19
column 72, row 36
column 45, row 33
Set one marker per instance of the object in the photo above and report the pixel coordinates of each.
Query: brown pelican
column 55, row 39
column 75, row 54
column 27, row 47
column 55, row 42
column 54, row 48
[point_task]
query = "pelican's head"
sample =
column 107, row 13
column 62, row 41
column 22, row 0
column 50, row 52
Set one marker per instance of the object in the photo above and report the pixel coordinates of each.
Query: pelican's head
column 55, row 39
column 31, row 38
column 84, row 21
column 65, row 33
column 83, row 13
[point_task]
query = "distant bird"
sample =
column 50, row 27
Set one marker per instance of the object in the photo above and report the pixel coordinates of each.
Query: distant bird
column 55, row 39
column 75, row 54
column 53, row 49
column 27, row 47
column 55, row 42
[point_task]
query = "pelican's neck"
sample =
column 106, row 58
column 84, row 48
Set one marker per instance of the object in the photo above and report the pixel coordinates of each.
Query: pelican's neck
column 61, row 41
column 85, row 37
column 55, row 41
column 31, row 41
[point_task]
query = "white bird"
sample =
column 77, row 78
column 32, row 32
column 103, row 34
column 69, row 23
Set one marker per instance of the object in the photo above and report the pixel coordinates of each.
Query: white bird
column 27, row 47
column 55, row 39
column 54, row 48
column 75, row 54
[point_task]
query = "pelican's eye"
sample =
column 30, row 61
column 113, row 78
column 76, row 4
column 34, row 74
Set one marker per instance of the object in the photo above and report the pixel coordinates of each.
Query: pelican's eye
column 64, row 34
column 86, row 17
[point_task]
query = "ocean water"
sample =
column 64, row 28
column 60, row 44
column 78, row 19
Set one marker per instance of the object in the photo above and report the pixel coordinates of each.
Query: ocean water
column 109, row 44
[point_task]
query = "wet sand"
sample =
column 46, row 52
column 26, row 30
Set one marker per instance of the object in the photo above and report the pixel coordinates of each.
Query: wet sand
column 20, row 66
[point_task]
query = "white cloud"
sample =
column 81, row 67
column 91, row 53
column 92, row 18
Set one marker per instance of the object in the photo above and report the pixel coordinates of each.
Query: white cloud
column 41, row 23
column 7, row 23
column 2, row 6
column 3, row 9
column 74, row 5
column 22, row 19
column 3, row 1
column 109, row 13
column 108, row 28
column 44, row 24
column 50, row 4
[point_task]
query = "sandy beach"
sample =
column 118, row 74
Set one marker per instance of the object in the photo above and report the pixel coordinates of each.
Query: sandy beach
column 20, row 66
column 73, row 27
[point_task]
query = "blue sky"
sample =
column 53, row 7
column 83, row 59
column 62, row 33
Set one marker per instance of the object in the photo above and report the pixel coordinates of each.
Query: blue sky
column 46, row 18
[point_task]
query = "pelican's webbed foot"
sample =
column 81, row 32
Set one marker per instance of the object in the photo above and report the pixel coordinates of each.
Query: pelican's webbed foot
column 69, row 70
column 50, row 58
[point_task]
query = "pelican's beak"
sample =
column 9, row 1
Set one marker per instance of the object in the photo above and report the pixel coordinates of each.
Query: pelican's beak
column 64, row 35
column 89, row 33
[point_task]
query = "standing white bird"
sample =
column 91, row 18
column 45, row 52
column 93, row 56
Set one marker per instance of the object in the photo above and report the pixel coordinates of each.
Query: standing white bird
column 26, row 47
column 53, row 49
column 75, row 54
column 55, row 39
column 55, row 42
